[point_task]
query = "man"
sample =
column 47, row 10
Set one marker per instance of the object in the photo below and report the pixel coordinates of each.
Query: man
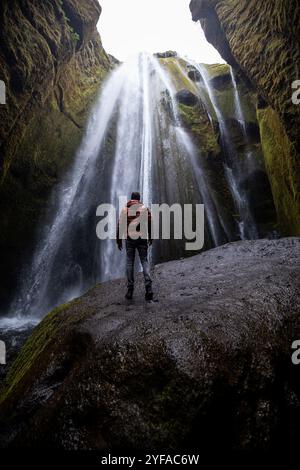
column 135, row 226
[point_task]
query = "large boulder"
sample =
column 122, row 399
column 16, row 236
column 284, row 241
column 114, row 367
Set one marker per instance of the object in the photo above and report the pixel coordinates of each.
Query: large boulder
column 208, row 365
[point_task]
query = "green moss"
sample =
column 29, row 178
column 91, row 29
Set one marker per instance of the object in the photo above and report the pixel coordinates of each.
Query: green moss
column 215, row 70
column 283, row 170
column 40, row 339
column 177, row 69
column 74, row 35
column 197, row 122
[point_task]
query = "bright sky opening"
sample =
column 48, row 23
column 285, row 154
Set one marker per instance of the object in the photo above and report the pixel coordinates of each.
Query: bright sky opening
column 131, row 26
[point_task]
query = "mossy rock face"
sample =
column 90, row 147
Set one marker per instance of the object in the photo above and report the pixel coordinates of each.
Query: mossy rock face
column 242, row 131
column 178, row 73
column 283, row 169
column 261, row 41
column 53, row 63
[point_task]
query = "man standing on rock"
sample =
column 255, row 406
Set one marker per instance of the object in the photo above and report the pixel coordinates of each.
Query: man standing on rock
column 135, row 226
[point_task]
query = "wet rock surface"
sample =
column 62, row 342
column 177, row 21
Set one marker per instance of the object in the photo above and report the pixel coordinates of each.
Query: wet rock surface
column 207, row 365
column 186, row 97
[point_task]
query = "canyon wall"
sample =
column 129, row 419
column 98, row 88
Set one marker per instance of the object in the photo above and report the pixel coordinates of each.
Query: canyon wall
column 261, row 41
column 52, row 62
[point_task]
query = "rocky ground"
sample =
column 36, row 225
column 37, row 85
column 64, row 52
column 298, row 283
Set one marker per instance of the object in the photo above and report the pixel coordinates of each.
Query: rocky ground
column 208, row 364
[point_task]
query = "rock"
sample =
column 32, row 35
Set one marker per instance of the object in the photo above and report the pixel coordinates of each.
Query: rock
column 165, row 55
column 194, row 74
column 208, row 365
column 114, row 61
column 261, row 41
column 253, row 133
column 282, row 164
column 221, row 81
column 187, row 98
column 257, row 184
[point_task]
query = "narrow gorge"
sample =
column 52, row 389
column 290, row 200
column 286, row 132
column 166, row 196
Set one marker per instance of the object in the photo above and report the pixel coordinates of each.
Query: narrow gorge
column 82, row 128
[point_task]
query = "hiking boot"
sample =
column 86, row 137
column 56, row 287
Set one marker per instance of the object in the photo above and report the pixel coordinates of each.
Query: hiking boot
column 129, row 293
column 149, row 294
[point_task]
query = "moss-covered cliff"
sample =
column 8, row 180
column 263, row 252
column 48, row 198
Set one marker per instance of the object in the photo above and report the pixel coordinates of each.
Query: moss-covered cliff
column 53, row 62
column 261, row 41
column 202, row 106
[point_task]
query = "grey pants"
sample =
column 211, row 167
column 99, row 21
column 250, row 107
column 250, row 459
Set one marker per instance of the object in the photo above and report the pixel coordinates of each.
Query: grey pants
column 142, row 247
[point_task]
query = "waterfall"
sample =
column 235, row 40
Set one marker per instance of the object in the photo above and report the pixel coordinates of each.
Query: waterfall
column 250, row 160
column 133, row 141
column 232, row 166
column 214, row 218
column 238, row 106
column 56, row 274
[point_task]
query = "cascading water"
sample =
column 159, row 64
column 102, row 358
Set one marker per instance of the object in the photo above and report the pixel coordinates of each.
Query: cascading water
column 194, row 161
column 238, row 106
column 249, row 161
column 232, row 167
column 60, row 269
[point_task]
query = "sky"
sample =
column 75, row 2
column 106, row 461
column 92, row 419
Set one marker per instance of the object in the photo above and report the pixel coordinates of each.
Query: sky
column 131, row 26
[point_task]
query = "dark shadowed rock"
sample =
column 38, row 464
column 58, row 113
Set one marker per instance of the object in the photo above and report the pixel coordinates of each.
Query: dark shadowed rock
column 221, row 81
column 194, row 74
column 207, row 365
column 165, row 55
column 187, row 97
